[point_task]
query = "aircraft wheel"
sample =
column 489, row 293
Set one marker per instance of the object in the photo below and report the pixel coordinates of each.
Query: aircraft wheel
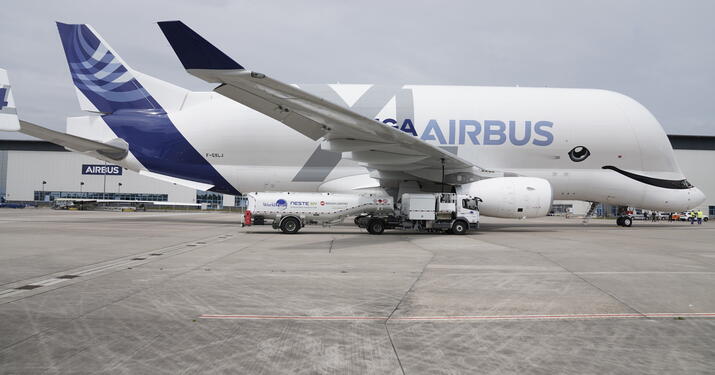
column 376, row 226
column 290, row 225
column 460, row 227
column 627, row 221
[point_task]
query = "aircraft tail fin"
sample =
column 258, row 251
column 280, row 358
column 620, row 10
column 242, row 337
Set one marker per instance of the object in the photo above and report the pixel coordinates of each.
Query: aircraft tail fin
column 8, row 112
column 104, row 82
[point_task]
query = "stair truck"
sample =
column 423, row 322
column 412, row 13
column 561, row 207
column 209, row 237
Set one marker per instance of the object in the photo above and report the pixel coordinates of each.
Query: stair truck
column 289, row 212
column 432, row 212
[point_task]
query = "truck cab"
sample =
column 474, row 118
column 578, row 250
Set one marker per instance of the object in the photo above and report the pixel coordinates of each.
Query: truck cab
column 428, row 212
column 469, row 208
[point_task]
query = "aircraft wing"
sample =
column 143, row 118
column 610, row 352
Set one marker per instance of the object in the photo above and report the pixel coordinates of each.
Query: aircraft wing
column 379, row 147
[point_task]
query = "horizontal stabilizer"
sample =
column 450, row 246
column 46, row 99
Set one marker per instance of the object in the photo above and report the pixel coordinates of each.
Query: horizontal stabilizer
column 178, row 181
column 116, row 149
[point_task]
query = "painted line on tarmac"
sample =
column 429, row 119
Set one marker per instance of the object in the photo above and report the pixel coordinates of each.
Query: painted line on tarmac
column 297, row 317
column 557, row 316
column 462, row 318
column 135, row 260
column 9, row 292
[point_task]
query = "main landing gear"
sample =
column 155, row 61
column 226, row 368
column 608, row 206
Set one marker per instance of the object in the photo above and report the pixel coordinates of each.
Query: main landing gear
column 624, row 221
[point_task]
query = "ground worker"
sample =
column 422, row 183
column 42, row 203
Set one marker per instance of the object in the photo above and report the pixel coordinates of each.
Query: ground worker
column 692, row 217
column 700, row 216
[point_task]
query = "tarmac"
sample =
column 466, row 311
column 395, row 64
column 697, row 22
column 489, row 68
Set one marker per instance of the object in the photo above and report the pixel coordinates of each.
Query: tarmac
column 194, row 293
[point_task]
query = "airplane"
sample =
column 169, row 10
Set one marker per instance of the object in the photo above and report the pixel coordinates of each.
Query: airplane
column 516, row 148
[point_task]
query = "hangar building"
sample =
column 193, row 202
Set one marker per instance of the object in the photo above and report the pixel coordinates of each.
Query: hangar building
column 42, row 171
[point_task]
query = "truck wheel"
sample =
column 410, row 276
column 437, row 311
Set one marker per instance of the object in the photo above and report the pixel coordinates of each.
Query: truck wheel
column 460, row 227
column 627, row 221
column 290, row 225
column 376, row 226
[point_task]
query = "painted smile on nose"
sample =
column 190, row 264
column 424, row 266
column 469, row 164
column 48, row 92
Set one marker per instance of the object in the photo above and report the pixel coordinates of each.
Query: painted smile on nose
column 658, row 182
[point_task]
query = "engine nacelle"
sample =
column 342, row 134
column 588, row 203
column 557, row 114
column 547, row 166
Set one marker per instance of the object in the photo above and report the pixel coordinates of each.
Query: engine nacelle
column 511, row 197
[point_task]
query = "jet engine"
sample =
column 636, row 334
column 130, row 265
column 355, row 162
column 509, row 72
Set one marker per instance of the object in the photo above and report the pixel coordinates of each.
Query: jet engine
column 511, row 197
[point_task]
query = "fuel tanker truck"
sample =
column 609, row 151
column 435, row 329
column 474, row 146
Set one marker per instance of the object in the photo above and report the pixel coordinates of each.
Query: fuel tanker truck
column 291, row 211
column 432, row 212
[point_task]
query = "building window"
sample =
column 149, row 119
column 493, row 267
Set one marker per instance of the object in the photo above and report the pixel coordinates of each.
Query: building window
column 241, row 201
column 711, row 210
column 214, row 200
column 100, row 195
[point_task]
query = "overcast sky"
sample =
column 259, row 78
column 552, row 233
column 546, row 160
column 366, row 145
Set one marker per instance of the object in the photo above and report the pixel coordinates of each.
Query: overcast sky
column 661, row 53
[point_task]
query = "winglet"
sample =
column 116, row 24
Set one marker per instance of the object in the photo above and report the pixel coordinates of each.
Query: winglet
column 194, row 51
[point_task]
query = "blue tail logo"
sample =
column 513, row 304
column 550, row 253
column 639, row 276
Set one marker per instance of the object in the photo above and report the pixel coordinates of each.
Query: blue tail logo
column 3, row 97
column 99, row 75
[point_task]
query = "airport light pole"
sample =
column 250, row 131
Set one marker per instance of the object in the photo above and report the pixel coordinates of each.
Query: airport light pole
column 442, row 174
column 119, row 188
column 81, row 184
column 43, row 190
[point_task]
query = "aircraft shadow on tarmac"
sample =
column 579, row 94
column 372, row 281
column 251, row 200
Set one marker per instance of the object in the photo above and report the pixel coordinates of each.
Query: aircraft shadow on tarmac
column 544, row 227
column 518, row 227
column 354, row 240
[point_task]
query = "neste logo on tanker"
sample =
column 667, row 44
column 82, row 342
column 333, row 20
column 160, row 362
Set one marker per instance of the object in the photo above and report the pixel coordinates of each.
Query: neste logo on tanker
column 488, row 132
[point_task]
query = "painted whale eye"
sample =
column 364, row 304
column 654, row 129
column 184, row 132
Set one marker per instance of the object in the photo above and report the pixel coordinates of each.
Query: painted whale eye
column 579, row 153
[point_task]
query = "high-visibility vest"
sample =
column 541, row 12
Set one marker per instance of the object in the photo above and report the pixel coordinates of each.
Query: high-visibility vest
column 700, row 214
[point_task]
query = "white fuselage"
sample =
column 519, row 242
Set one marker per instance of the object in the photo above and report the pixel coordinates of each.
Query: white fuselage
column 520, row 131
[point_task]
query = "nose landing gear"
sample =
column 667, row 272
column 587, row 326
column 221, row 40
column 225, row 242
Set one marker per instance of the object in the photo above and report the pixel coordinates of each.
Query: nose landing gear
column 624, row 221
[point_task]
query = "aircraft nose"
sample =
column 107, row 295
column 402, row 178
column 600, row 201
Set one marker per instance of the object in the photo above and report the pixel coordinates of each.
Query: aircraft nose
column 697, row 197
